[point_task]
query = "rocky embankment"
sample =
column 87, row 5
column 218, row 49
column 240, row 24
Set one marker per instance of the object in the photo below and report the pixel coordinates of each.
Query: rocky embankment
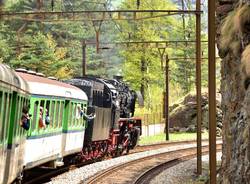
column 184, row 114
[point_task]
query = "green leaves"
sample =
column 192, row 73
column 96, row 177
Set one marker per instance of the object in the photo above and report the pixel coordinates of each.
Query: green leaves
column 43, row 55
column 53, row 49
column 56, row 48
column 142, row 63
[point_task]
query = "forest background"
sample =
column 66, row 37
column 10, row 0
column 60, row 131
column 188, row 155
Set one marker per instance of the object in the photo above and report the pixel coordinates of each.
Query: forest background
column 55, row 49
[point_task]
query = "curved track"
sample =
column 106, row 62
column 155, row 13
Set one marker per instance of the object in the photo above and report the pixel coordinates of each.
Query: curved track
column 141, row 148
column 41, row 175
column 148, row 175
column 136, row 171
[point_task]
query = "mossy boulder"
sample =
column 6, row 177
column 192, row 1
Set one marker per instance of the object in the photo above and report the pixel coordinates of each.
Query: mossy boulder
column 184, row 114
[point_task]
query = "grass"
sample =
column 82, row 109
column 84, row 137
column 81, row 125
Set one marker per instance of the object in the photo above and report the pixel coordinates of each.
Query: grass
column 179, row 136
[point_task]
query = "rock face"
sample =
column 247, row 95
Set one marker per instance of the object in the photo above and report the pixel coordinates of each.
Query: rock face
column 184, row 114
column 233, row 22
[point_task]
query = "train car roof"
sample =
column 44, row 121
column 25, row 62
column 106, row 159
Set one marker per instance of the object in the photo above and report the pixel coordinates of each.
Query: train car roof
column 96, row 82
column 11, row 80
column 43, row 86
column 88, row 82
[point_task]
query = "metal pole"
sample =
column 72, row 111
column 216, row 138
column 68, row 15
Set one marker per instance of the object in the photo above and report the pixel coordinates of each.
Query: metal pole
column 212, row 90
column 97, row 41
column 198, row 86
column 84, row 66
column 167, row 98
column 1, row 7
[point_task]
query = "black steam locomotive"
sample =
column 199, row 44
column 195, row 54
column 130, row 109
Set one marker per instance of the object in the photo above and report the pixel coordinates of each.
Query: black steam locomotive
column 114, row 130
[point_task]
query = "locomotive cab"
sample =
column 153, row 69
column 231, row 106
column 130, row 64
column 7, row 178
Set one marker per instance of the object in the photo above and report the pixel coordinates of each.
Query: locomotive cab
column 100, row 103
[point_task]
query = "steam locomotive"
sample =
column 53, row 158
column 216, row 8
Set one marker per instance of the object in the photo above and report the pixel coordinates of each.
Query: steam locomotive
column 79, row 119
column 113, row 131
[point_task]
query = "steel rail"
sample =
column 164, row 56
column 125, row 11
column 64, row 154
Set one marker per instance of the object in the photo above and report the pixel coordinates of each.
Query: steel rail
column 166, row 143
column 98, row 177
column 54, row 173
column 149, row 174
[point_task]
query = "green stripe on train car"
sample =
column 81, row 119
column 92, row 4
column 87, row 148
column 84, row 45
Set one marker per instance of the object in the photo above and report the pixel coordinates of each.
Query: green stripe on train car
column 59, row 113
column 47, row 103
column 71, row 123
column 12, row 118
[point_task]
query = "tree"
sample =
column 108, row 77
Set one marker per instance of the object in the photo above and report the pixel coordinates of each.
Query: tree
column 43, row 55
column 5, row 51
column 67, row 35
column 143, row 66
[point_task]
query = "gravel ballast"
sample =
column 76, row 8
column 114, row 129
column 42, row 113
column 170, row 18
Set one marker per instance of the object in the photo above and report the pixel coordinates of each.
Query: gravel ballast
column 82, row 174
column 183, row 173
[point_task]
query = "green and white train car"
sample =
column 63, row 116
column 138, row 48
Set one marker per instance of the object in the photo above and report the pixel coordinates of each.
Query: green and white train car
column 13, row 97
column 63, row 134
column 56, row 127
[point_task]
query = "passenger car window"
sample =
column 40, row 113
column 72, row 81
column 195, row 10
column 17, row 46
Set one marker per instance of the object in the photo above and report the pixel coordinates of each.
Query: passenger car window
column 34, row 123
column 8, row 108
column 52, row 114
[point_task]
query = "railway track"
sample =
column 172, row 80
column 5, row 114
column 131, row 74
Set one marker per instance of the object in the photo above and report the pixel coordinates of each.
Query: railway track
column 148, row 175
column 42, row 175
column 142, row 148
column 139, row 171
